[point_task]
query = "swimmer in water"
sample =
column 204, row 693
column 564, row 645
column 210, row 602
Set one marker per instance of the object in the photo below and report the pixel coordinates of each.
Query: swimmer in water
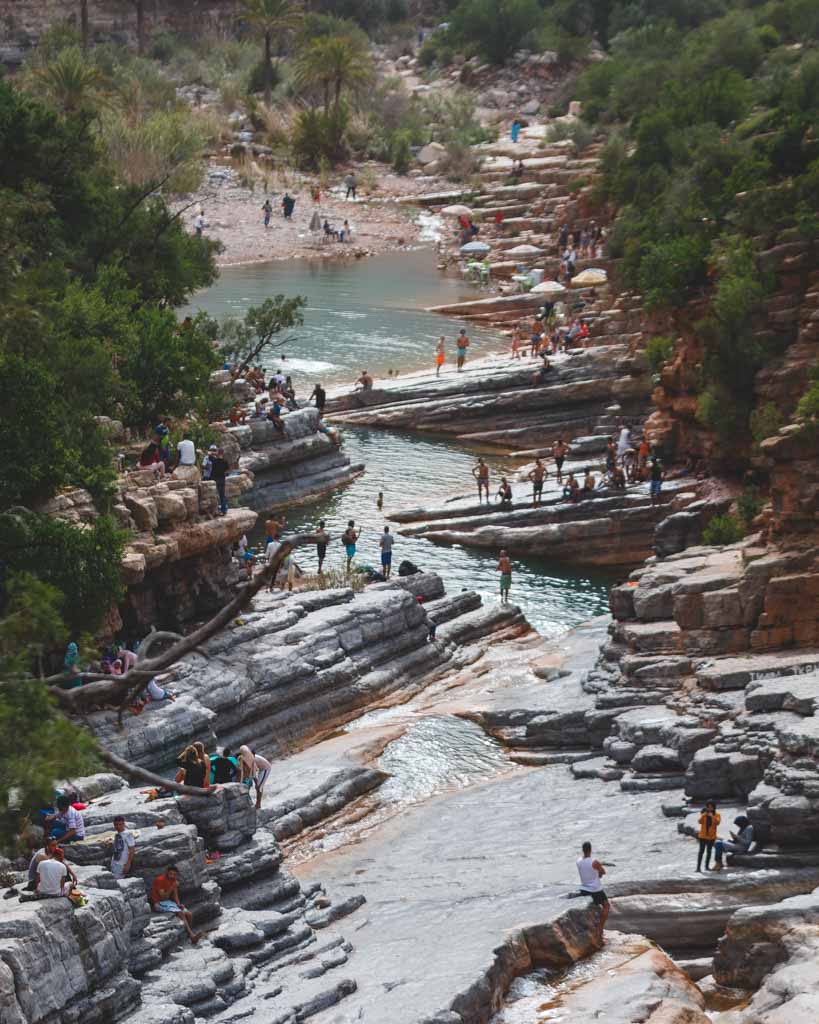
column 379, row 502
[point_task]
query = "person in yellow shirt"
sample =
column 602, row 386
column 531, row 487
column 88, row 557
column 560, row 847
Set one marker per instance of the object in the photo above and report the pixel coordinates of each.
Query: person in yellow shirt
column 709, row 821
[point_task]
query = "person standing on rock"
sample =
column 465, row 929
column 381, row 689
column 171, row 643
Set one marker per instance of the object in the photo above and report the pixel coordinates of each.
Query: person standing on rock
column 165, row 899
column 322, row 540
column 623, row 442
column 254, row 767
column 560, row 450
column 218, row 473
column 440, row 355
column 536, row 475
column 463, row 345
column 591, row 872
column 656, row 475
column 320, row 396
column 267, row 210
column 124, row 848
column 385, row 543
column 350, row 184
column 481, row 474
column 709, row 821
column 504, row 567
column 349, row 539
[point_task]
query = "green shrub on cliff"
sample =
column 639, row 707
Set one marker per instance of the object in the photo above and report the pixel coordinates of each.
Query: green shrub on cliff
column 726, row 529
column 494, row 28
column 659, row 351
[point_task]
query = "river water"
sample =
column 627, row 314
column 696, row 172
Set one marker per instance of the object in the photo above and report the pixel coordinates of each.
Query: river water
column 370, row 314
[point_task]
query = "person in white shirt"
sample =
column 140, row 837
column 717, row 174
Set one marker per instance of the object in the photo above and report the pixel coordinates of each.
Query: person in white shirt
column 591, row 872
column 199, row 223
column 54, row 877
column 124, row 848
column 186, row 452
column 288, row 563
column 70, row 818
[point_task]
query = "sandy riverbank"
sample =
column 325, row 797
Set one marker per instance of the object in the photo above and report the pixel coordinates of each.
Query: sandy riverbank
column 379, row 223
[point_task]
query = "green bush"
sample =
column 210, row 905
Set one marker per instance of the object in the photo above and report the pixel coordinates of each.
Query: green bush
column 319, row 137
column 808, row 406
column 255, row 78
column 669, row 271
column 401, row 155
column 659, row 351
column 495, row 27
column 726, row 529
column 749, row 505
column 765, row 421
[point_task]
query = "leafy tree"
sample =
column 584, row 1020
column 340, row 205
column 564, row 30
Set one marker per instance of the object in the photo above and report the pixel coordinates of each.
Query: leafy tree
column 495, row 27
column 319, row 138
column 244, row 341
column 166, row 367
column 83, row 564
column 37, row 744
column 270, row 17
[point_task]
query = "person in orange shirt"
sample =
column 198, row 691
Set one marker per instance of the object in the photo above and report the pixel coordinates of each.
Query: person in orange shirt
column 164, row 899
column 709, row 820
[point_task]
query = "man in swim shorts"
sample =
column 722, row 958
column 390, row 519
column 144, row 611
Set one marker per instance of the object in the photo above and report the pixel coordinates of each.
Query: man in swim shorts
column 505, row 569
column 322, row 538
column 536, row 475
column 560, row 450
column 348, row 539
column 386, row 544
column 481, row 474
column 463, row 344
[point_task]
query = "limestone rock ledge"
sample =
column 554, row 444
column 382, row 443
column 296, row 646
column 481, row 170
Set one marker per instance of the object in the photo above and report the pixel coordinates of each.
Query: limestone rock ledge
column 297, row 667
column 301, row 465
column 114, row 960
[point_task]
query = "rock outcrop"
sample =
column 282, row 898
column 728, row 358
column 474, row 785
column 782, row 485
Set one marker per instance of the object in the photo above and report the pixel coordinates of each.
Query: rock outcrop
column 114, row 960
column 297, row 667
column 300, row 465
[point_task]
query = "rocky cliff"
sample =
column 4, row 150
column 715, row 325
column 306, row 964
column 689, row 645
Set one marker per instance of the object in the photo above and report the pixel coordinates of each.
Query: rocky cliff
column 298, row 666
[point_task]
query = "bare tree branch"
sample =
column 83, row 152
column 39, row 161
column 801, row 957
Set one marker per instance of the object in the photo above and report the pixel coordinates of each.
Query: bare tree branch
column 106, row 690
column 143, row 775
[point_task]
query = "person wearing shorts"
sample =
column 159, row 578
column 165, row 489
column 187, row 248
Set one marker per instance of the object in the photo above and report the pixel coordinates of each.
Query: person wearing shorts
column 591, row 872
column 481, row 474
column 348, row 539
column 560, row 450
column 536, row 475
column 164, row 899
column 505, row 570
column 440, row 355
column 656, row 477
column 386, row 543
column 463, row 345
column 322, row 539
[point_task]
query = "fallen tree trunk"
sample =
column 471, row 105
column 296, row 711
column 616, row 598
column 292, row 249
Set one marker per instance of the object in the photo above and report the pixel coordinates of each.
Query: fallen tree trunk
column 101, row 691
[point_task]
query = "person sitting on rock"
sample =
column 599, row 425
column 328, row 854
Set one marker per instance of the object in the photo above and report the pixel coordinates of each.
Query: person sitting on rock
column 224, row 768
column 572, row 489
column 504, row 494
column 617, row 478
column 192, row 770
column 54, row 876
column 151, row 458
column 67, row 823
column 274, row 414
column 366, row 382
column 165, row 899
column 740, row 842
column 589, row 483
column 46, row 851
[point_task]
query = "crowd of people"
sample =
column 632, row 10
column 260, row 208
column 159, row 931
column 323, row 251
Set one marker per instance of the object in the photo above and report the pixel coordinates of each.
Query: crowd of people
column 578, row 243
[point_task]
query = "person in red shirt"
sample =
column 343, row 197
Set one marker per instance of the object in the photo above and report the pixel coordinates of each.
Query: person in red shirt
column 165, row 899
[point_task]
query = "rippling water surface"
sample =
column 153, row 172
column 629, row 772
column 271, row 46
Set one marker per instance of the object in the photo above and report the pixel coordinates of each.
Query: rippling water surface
column 361, row 314
column 369, row 313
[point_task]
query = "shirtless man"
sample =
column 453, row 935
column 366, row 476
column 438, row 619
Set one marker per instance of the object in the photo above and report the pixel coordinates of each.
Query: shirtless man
column 366, row 381
column 505, row 570
column 462, row 344
column 536, row 475
column 481, row 474
column 322, row 539
column 560, row 450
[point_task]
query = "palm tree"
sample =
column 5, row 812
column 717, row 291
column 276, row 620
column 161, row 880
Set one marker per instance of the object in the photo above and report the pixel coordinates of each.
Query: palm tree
column 334, row 63
column 70, row 81
column 267, row 17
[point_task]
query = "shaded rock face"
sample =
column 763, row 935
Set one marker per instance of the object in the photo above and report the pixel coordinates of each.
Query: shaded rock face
column 299, row 666
column 775, row 951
